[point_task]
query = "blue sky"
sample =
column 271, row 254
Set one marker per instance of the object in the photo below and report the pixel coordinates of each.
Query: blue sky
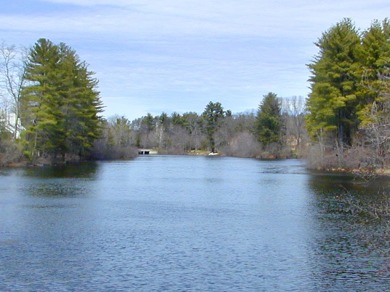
column 155, row 56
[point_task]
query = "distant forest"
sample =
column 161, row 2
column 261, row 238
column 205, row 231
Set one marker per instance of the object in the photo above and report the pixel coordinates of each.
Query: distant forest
column 50, row 112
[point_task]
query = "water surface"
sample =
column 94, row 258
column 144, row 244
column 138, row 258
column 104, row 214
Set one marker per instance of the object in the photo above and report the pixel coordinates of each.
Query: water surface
column 182, row 223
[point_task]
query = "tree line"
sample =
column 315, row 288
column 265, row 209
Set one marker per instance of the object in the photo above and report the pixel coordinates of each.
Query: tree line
column 52, row 98
column 275, row 130
column 343, row 123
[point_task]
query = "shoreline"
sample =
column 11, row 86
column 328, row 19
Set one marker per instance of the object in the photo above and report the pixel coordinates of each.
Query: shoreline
column 385, row 172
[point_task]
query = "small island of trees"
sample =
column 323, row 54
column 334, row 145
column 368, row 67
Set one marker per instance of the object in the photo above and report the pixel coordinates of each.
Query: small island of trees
column 51, row 111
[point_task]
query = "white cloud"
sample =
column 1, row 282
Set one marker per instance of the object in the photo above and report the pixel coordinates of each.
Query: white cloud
column 145, row 19
column 183, row 53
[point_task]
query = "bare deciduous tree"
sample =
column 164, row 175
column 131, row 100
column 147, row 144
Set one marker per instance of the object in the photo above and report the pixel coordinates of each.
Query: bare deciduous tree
column 242, row 144
column 378, row 131
column 115, row 141
column 12, row 73
column 295, row 122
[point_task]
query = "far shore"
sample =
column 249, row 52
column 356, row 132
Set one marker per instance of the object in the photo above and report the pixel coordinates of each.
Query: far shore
column 357, row 172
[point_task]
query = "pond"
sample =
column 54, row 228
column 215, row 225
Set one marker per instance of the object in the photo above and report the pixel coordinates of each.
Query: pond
column 186, row 223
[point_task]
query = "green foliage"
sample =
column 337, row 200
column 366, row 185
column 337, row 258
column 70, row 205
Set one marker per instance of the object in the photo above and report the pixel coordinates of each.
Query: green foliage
column 177, row 119
column 269, row 120
column 375, row 59
column 148, row 122
column 60, row 101
column 212, row 115
column 347, row 80
column 335, row 77
column 191, row 120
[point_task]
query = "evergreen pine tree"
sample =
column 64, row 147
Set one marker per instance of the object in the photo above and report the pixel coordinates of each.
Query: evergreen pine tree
column 61, row 103
column 212, row 116
column 375, row 61
column 269, row 120
column 335, row 77
column 40, row 98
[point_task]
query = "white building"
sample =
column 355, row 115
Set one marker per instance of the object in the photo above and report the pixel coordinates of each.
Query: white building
column 9, row 120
